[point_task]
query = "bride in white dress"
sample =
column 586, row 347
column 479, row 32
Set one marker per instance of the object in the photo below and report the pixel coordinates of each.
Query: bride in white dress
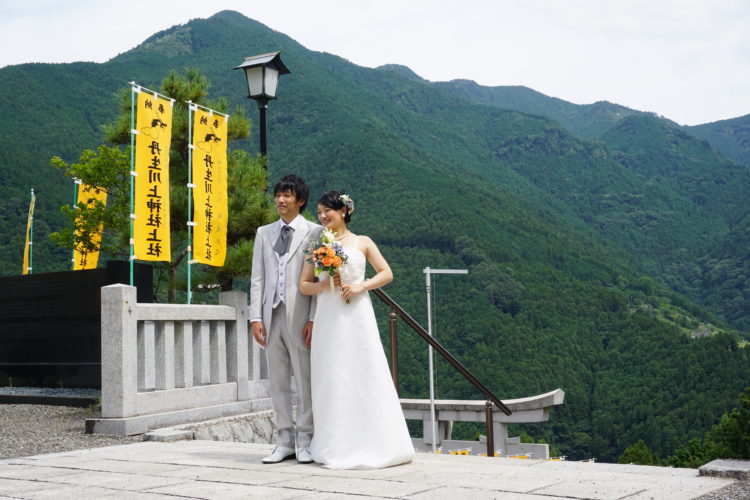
column 357, row 416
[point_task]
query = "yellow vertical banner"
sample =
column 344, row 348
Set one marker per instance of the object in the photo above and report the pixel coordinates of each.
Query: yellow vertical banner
column 210, row 187
column 153, row 138
column 27, row 247
column 82, row 258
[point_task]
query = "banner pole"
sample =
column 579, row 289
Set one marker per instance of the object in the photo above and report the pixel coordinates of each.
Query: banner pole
column 31, row 233
column 132, row 170
column 76, row 183
column 190, row 186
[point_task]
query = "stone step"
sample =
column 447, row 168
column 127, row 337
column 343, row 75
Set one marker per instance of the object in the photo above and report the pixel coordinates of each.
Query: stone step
column 141, row 424
column 255, row 427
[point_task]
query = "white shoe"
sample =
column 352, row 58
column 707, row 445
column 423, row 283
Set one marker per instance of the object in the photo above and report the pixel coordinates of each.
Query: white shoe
column 280, row 453
column 304, row 456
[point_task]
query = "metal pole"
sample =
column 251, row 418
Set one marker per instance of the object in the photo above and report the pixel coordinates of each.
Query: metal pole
column 428, row 284
column 262, row 108
column 31, row 234
column 76, row 183
column 132, row 178
column 393, row 324
column 190, row 186
column 429, row 354
column 490, row 431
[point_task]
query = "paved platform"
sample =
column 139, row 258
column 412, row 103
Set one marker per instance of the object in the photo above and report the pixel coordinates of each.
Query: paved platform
column 225, row 470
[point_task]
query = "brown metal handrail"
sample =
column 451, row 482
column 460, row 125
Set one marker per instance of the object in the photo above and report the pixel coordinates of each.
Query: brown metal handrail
column 396, row 312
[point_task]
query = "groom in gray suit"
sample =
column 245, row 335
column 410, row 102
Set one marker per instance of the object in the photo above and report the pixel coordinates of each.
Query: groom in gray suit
column 282, row 318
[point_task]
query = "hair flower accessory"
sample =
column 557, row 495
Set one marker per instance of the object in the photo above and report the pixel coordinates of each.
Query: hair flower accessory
column 346, row 200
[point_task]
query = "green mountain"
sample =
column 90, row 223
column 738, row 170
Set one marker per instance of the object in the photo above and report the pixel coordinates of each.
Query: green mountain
column 707, row 202
column 720, row 278
column 590, row 121
column 731, row 137
column 587, row 121
column 663, row 170
column 566, row 240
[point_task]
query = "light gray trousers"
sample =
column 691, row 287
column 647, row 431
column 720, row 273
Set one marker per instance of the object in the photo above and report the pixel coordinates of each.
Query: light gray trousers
column 287, row 355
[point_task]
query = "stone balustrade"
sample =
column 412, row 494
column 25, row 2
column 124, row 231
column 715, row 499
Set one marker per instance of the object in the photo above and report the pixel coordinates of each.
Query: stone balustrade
column 169, row 364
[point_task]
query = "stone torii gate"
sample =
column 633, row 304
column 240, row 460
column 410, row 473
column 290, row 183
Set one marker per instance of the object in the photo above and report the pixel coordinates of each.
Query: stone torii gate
column 525, row 410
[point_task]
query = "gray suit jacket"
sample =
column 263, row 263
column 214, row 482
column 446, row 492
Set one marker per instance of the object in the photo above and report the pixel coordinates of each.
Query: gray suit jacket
column 299, row 308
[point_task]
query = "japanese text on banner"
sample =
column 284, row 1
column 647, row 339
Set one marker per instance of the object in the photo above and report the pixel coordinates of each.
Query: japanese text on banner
column 82, row 258
column 210, row 191
column 151, row 227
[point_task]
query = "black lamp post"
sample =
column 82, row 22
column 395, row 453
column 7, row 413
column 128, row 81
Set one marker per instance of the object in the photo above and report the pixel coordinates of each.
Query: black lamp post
column 262, row 73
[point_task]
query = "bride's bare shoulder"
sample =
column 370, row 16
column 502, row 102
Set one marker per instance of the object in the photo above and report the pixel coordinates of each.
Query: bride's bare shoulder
column 365, row 244
column 365, row 241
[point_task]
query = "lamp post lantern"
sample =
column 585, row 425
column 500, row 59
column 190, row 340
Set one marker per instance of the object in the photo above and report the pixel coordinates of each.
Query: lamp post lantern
column 262, row 74
column 428, row 272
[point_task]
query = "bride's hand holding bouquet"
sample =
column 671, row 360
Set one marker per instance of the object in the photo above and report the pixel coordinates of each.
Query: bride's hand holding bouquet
column 327, row 256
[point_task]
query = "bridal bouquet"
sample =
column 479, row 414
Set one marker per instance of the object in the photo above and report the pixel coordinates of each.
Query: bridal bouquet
column 326, row 255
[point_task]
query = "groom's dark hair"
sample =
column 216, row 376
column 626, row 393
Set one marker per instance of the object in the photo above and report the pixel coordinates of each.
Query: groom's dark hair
column 296, row 185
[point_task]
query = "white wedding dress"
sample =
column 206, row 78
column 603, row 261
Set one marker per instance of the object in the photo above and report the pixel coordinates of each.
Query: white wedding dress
column 357, row 416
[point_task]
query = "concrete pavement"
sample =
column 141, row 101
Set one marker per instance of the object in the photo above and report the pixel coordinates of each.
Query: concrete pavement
column 227, row 470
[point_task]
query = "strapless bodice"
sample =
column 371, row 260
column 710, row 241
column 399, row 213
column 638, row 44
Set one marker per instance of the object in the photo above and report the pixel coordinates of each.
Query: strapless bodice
column 354, row 269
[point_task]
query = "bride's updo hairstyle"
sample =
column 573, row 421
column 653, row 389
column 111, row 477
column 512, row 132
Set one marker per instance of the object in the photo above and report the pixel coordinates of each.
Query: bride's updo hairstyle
column 338, row 200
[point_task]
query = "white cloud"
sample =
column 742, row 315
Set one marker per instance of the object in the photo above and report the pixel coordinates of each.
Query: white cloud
column 686, row 59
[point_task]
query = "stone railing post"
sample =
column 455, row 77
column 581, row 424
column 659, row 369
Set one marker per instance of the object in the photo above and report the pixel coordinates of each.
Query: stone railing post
column 119, row 340
column 237, row 342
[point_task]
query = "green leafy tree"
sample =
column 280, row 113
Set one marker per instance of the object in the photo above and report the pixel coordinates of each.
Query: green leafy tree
column 730, row 438
column 694, row 454
column 109, row 168
column 638, row 453
column 732, row 434
column 249, row 205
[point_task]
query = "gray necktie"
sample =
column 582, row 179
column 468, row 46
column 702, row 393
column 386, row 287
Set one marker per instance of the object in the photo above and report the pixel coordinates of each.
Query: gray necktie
column 284, row 240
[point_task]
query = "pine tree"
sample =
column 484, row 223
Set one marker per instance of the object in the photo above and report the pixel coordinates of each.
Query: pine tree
column 638, row 453
column 249, row 204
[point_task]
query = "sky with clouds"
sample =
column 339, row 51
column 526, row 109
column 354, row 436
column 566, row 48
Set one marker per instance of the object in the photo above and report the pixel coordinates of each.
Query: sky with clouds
column 688, row 60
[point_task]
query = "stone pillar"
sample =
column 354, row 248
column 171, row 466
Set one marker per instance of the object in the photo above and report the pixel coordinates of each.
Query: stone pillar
column 119, row 333
column 184, row 353
column 165, row 356
column 500, row 430
column 146, row 355
column 201, row 353
column 237, row 342
column 443, row 432
column 218, row 352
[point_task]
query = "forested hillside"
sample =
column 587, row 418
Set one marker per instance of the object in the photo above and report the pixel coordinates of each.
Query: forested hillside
column 668, row 194
column 575, row 248
column 731, row 137
column 587, row 121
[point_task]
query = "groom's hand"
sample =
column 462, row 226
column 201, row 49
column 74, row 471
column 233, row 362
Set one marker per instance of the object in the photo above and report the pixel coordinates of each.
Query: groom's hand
column 307, row 333
column 259, row 332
